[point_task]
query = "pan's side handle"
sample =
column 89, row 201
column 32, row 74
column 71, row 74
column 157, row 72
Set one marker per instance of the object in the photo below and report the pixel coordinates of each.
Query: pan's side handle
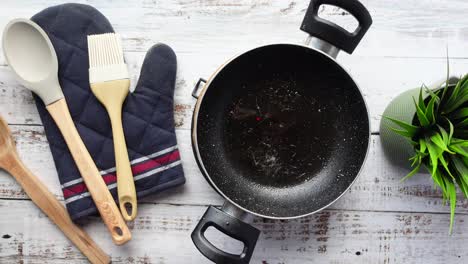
column 230, row 226
column 332, row 33
column 197, row 87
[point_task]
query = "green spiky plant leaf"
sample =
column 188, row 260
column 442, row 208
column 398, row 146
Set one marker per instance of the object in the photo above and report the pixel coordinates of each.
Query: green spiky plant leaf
column 439, row 134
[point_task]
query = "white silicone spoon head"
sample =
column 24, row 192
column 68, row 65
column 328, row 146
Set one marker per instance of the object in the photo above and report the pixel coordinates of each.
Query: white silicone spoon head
column 32, row 57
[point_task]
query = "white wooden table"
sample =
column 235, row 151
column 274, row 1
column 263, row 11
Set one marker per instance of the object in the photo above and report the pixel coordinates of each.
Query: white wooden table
column 379, row 220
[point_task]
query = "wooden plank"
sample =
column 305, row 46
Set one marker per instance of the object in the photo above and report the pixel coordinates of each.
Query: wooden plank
column 377, row 188
column 407, row 28
column 161, row 234
column 380, row 80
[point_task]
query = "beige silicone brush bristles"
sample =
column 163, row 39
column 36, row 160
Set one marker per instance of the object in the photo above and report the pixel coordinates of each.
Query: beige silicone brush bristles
column 106, row 61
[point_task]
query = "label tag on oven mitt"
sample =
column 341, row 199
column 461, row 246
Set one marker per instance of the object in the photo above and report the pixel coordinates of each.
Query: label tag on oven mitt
column 148, row 115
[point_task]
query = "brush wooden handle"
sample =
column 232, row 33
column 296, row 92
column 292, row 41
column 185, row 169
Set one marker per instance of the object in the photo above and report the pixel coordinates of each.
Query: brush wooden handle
column 47, row 202
column 97, row 188
column 112, row 95
column 125, row 183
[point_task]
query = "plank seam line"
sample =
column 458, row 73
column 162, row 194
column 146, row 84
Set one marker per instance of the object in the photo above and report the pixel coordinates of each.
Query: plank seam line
column 219, row 206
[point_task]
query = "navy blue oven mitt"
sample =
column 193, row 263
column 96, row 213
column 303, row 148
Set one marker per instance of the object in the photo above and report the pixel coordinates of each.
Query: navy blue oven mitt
column 148, row 115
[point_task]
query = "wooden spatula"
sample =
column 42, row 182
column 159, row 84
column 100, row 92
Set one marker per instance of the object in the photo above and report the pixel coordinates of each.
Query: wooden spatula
column 44, row 199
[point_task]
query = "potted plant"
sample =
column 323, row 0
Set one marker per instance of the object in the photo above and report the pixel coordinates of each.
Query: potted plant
column 428, row 127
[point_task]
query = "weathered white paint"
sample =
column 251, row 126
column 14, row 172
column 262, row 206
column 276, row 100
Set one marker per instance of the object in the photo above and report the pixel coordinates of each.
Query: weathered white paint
column 385, row 220
column 380, row 80
column 161, row 235
column 412, row 28
column 378, row 188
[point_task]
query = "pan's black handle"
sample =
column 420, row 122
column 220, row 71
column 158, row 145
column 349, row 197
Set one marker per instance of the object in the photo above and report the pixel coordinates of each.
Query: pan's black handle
column 332, row 33
column 230, row 226
column 197, row 86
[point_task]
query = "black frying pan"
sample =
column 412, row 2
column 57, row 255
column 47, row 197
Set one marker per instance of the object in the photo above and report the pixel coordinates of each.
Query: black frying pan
column 280, row 131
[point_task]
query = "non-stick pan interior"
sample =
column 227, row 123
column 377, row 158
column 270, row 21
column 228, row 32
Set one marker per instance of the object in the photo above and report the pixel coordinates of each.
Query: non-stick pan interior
column 282, row 130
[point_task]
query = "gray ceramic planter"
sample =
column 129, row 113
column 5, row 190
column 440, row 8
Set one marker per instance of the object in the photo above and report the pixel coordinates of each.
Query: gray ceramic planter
column 397, row 149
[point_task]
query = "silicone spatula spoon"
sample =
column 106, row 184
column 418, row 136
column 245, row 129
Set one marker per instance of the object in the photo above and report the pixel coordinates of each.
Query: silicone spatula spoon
column 44, row 199
column 32, row 57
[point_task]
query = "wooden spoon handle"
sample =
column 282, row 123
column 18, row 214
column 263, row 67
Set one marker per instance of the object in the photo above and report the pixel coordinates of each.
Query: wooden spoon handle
column 97, row 188
column 47, row 202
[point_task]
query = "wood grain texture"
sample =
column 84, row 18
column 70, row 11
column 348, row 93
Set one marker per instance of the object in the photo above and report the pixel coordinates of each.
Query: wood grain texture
column 380, row 80
column 206, row 33
column 44, row 199
column 412, row 28
column 55, row 211
column 160, row 235
column 379, row 220
column 377, row 188
column 102, row 198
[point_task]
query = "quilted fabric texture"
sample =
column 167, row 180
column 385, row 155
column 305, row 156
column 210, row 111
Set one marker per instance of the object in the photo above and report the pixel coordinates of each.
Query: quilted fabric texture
column 148, row 116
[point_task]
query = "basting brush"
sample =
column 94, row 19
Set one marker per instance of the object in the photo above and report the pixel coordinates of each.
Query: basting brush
column 110, row 83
